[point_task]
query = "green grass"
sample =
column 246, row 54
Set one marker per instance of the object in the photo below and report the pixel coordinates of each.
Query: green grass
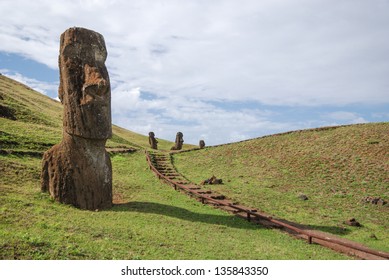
column 149, row 220
column 336, row 168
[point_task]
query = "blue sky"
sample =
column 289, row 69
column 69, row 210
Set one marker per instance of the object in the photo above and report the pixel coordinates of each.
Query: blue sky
column 218, row 70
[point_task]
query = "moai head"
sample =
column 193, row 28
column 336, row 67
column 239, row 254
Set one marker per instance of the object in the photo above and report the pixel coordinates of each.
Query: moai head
column 201, row 144
column 84, row 88
column 152, row 141
column 179, row 140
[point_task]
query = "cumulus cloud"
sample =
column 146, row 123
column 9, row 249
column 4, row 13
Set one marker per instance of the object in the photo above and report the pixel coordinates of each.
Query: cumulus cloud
column 381, row 115
column 349, row 117
column 197, row 119
column 275, row 52
column 40, row 86
column 172, row 62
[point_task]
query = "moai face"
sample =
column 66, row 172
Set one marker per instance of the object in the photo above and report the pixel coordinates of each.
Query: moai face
column 152, row 141
column 84, row 86
column 180, row 137
column 179, row 140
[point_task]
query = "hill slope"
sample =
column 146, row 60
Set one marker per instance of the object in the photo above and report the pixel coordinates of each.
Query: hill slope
column 337, row 168
column 148, row 221
column 152, row 221
column 32, row 121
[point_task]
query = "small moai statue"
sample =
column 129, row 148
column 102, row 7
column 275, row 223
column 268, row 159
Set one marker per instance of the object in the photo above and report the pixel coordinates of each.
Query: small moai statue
column 179, row 141
column 152, row 141
column 78, row 170
column 201, row 144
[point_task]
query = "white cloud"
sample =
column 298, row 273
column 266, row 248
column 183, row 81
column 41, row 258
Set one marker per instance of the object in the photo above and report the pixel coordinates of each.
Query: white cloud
column 124, row 100
column 40, row 86
column 275, row 52
column 196, row 119
column 189, row 54
column 349, row 117
column 381, row 115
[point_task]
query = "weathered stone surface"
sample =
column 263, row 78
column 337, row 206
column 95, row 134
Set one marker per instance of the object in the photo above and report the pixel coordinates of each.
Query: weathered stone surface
column 179, row 141
column 303, row 196
column 374, row 200
column 78, row 170
column 84, row 88
column 201, row 144
column 152, row 141
column 212, row 181
column 353, row 222
column 6, row 112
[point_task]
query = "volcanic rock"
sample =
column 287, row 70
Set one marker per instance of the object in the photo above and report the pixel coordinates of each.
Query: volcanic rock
column 353, row 222
column 201, row 144
column 179, row 141
column 303, row 197
column 78, row 170
column 152, row 141
column 374, row 200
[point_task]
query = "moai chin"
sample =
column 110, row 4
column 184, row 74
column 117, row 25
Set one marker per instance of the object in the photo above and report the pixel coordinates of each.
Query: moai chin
column 179, row 141
column 152, row 141
column 78, row 170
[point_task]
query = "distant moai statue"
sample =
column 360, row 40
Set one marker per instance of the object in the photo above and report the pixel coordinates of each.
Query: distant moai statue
column 78, row 170
column 201, row 144
column 179, row 141
column 152, row 141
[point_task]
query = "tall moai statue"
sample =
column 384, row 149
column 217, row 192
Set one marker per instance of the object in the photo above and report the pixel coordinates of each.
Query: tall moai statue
column 152, row 141
column 78, row 170
column 179, row 141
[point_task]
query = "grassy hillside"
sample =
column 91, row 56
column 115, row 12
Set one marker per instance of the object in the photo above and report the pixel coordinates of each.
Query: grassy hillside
column 32, row 121
column 336, row 168
column 148, row 221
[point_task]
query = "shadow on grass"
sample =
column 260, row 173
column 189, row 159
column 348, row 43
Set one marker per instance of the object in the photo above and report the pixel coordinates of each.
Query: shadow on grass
column 331, row 229
column 327, row 229
column 228, row 221
column 184, row 214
